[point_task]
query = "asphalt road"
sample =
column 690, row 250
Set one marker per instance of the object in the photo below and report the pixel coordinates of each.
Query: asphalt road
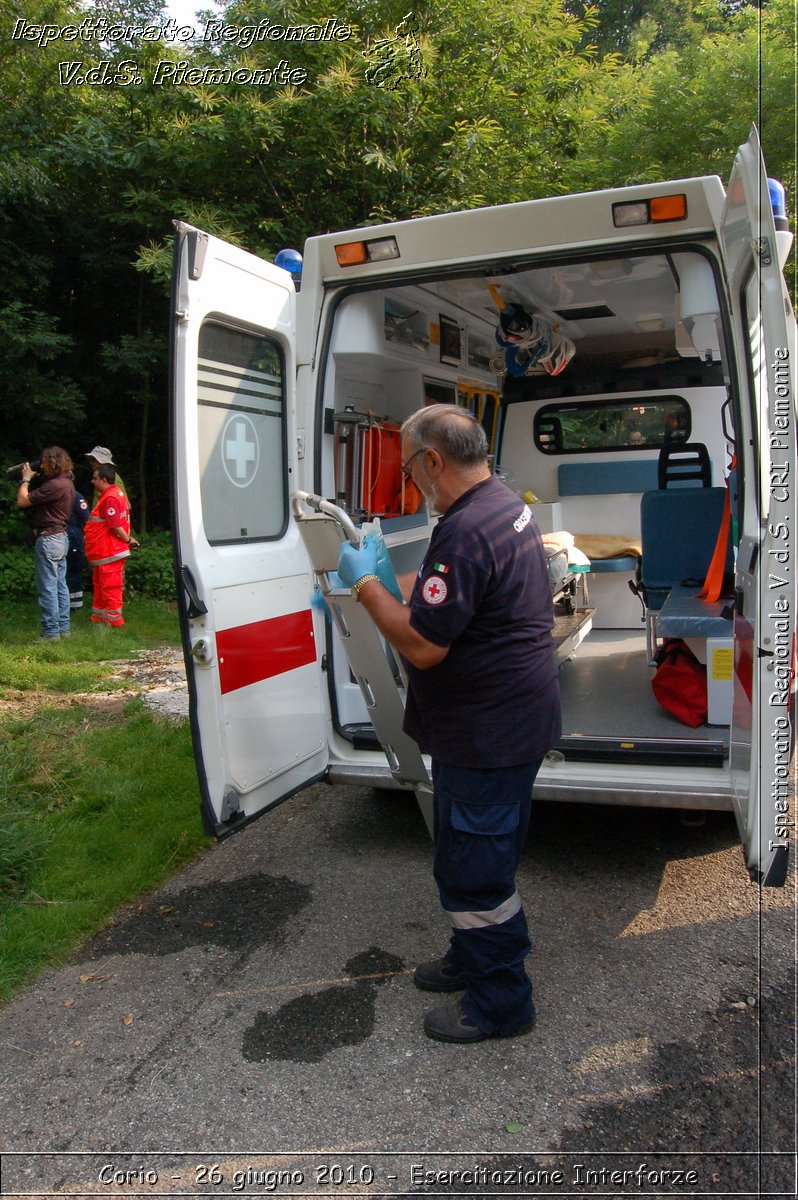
column 253, row 1027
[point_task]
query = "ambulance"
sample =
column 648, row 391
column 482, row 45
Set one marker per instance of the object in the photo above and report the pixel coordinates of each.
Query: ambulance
column 631, row 355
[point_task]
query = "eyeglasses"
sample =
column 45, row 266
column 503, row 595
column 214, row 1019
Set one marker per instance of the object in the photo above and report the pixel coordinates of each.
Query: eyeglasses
column 406, row 466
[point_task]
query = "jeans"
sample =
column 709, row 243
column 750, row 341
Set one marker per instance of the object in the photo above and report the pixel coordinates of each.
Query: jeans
column 50, row 557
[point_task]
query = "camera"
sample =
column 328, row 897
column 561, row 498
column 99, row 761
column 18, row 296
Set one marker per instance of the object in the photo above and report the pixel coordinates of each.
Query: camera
column 15, row 472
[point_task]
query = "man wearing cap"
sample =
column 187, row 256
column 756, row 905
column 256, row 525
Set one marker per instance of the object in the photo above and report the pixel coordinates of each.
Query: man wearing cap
column 101, row 456
column 108, row 543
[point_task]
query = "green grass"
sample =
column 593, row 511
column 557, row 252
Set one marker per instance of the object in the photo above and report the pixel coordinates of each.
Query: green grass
column 96, row 806
column 79, row 662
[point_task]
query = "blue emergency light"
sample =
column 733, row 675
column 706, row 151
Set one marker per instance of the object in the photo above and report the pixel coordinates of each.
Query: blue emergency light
column 778, row 198
column 778, row 202
column 291, row 261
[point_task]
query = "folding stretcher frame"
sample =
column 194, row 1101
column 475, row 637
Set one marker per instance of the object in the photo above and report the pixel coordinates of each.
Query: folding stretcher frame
column 323, row 528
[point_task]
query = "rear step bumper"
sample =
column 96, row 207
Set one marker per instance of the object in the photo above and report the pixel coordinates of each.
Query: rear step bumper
column 599, row 771
column 673, row 752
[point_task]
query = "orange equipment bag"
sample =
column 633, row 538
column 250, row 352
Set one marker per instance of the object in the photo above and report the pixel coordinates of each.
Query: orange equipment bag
column 384, row 490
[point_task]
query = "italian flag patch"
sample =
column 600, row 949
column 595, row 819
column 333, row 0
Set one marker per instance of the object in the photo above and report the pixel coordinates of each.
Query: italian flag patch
column 441, row 568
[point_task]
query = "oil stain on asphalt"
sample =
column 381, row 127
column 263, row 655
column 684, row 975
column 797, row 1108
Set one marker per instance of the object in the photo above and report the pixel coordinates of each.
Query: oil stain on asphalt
column 236, row 914
column 307, row 1028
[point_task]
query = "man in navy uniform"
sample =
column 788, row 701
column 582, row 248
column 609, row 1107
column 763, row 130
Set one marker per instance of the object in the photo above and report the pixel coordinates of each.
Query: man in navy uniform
column 483, row 702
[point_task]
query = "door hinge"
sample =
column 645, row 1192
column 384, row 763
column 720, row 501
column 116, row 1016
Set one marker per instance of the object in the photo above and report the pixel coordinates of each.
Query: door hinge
column 761, row 247
column 202, row 650
column 196, row 605
column 197, row 249
column 231, row 806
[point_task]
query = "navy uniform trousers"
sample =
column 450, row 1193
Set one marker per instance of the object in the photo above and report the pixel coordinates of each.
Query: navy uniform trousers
column 481, row 824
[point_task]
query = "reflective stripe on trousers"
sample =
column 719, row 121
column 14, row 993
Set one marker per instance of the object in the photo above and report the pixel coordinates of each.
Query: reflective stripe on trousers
column 107, row 584
column 481, row 823
column 493, row 916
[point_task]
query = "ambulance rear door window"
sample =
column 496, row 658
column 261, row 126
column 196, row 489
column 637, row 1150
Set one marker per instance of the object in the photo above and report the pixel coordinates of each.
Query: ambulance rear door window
column 241, row 422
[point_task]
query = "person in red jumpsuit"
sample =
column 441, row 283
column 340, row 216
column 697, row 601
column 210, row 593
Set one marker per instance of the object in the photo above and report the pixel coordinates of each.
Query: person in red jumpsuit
column 108, row 542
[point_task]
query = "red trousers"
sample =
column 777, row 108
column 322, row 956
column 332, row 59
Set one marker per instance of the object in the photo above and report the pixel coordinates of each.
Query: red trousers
column 108, row 580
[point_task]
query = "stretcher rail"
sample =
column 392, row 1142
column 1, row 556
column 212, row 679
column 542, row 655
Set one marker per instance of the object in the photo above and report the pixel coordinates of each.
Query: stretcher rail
column 324, row 529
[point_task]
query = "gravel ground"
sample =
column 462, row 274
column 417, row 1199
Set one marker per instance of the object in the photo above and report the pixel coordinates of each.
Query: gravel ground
column 258, row 1015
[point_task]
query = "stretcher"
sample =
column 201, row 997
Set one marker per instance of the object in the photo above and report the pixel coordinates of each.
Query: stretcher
column 324, row 527
column 568, row 571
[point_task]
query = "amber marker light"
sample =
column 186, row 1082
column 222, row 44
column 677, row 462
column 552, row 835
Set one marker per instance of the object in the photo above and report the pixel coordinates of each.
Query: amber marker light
column 353, row 254
column 669, row 208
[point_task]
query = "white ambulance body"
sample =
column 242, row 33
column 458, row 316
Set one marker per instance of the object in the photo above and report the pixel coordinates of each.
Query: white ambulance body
column 673, row 298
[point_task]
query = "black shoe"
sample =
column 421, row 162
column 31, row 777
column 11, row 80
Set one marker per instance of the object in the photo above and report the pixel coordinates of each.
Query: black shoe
column 449, row 1023
column 439, row 975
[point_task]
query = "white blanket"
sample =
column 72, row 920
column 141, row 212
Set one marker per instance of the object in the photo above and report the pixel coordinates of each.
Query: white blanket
column 562, row 540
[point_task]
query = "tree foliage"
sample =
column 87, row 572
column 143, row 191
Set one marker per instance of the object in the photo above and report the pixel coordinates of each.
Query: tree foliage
column 689, row 109
column 462, row 103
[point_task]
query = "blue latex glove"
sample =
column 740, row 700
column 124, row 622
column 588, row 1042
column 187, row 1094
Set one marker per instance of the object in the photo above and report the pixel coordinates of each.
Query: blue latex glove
column 319, row 601
column 354, row 564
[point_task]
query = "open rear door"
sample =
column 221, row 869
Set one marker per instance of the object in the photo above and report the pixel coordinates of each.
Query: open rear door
column 764, row 334
column 258, row 708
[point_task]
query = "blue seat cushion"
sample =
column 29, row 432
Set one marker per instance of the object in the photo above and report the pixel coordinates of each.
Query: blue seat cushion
column 624, row 563
column 685, row 615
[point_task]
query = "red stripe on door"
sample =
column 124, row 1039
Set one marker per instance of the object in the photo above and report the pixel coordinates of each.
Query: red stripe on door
column 251, row 653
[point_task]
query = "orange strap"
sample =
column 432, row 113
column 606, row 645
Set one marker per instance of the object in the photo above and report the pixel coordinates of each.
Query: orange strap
column 713, row 584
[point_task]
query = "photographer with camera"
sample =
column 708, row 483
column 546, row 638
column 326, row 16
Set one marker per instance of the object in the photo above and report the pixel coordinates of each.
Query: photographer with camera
column 51, row 499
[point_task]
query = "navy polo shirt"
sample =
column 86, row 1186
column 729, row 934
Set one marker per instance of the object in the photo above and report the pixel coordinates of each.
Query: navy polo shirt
column 483, row 591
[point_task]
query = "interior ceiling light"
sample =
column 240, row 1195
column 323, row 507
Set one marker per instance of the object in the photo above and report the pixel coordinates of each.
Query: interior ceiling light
column 612, row 268
column 650, row 321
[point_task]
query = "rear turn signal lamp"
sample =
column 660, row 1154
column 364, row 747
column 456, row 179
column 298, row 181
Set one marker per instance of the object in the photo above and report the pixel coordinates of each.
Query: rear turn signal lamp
column 645, row 212
column 352, row 254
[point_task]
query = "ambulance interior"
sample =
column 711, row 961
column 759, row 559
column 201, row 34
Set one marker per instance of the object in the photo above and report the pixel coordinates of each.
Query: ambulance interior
column 642, row 376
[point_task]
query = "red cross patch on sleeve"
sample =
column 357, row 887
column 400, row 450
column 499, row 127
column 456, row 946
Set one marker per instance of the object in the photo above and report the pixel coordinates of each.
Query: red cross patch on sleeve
column 434, row 590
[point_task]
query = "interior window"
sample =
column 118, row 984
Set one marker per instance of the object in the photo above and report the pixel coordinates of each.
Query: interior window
column 437, row 391
column 633, row 424
column 241, row 420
